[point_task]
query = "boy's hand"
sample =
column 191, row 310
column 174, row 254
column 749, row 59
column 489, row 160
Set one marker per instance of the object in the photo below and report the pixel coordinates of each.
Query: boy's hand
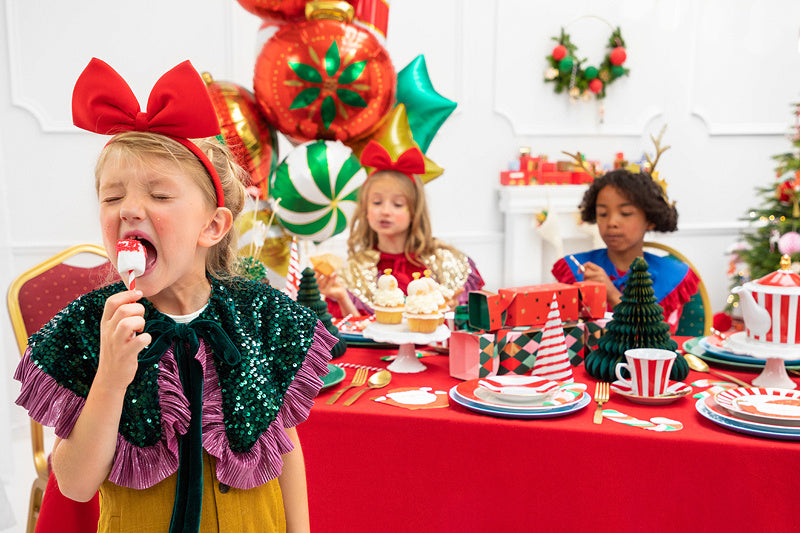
column 593, row 272
column 121, row 339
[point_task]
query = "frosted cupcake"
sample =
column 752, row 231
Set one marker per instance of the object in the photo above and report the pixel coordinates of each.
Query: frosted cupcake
column 436, row 290
column 388, row 300
column 422, row 306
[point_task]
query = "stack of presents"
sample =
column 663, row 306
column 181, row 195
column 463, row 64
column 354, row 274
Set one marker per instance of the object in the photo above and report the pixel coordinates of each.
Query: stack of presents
column 537, row 170
column 501, row 333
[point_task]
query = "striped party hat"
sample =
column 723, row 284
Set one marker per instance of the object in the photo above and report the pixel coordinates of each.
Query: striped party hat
column 552, row 358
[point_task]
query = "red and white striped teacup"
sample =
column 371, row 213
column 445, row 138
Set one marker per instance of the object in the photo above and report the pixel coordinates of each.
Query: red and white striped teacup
column 649, row 369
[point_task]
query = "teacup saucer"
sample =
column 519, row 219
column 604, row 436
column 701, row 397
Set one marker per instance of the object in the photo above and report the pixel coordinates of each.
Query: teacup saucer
column 675, row 391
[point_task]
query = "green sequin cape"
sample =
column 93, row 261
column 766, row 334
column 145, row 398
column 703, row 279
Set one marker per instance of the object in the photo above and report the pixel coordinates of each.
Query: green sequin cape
column 278, row 340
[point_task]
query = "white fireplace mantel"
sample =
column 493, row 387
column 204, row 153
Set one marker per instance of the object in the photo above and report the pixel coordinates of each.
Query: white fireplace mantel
column 527, row 258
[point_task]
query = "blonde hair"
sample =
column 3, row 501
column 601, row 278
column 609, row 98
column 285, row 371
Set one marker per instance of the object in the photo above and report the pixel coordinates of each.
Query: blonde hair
column 148, row 148
column 420, row 242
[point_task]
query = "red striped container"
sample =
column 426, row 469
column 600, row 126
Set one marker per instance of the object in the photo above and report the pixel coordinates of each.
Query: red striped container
column 779, row 294
column 649, row 369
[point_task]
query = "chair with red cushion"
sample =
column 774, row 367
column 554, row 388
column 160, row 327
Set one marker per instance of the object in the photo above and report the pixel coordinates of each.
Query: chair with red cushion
column 34, row 297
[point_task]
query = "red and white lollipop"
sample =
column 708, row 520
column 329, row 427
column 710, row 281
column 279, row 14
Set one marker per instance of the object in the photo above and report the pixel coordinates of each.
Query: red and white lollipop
column 131, row 260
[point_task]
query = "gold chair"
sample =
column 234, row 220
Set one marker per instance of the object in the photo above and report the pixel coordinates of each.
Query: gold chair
column 698, row 308
column 34, row 297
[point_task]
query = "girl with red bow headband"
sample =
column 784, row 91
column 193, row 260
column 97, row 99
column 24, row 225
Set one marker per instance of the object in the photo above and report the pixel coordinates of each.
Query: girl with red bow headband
column 177, row 400
column 391, row 229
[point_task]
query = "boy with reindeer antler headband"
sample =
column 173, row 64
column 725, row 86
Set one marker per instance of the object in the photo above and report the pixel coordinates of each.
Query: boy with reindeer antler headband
column 391, row 229
column 625, row 204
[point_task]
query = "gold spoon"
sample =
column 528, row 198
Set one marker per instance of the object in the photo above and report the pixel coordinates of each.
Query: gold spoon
column 698, row 365
column 376, row 381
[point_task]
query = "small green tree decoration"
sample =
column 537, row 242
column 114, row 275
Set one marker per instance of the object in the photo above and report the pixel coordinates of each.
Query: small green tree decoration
column 308, row 295
column 638, row 323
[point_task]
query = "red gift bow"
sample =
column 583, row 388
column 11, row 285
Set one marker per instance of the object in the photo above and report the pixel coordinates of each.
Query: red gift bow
column 178, row 107
column 409, row 162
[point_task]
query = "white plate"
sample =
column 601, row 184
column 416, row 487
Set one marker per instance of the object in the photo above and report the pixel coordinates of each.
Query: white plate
column 773, row 406
column 566, row 395
column 503, row 412
column 712, row 411
column 515, row 389
column 675, row 391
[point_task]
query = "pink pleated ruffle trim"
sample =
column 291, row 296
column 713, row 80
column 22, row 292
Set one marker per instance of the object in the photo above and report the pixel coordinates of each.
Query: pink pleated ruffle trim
column 139, row 468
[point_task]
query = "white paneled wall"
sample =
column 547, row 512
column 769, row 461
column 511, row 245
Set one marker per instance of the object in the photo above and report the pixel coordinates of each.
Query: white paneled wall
column 722, row 74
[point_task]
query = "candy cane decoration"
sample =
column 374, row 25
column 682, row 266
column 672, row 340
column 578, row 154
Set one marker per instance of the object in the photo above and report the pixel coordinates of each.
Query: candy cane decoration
column 657, row 423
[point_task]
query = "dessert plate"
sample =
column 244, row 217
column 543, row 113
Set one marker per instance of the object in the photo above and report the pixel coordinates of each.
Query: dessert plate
column 709, row 408
column 675, row 391
column 530, row 413
column 515, row 389
column 566, row 395
column 335, row 375
column 773, row 406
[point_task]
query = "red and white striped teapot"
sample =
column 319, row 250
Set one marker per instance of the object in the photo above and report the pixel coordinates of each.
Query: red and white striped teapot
column 771, row 306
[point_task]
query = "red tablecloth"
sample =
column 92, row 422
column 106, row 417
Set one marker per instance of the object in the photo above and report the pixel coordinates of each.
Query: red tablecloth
column 374, row 467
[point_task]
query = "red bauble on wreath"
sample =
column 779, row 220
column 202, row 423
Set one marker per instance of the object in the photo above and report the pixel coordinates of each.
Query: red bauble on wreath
column 325, row 79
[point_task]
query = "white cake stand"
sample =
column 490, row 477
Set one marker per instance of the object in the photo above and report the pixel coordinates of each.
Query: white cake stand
column 406, row 361
column 774, row 373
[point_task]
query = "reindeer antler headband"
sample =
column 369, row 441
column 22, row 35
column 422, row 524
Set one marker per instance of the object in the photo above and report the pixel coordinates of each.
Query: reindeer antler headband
column 178, row 107
column 410, row 162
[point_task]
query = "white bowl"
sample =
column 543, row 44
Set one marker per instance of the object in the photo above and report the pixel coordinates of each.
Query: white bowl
column 521, row 389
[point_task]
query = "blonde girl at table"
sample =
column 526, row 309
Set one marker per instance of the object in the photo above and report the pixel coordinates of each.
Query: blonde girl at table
column 391, row 229
column 625, row 205
column 177, row 400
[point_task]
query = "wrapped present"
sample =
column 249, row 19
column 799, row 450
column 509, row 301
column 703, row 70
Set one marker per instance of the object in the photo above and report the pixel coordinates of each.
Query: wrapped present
column 509, row 351
column 521, row 306
column 555, row 178
column 580, row 177
column 472, row 355
column 592, row 297
column 593, row 330
column 514, row 177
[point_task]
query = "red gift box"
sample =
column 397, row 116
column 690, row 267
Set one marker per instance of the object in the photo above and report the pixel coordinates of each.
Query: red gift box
column 556, row 178
column 581, row 177
column 514, row 177
column 529, row 306
column 593, row 299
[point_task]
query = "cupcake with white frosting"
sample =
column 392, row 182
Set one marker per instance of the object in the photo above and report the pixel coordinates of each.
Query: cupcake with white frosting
column 388, row 300
column 422, row 305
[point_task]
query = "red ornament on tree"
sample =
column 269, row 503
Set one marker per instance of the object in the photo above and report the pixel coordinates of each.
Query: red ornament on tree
column 596, row 85
column 324, row 79
column 617, row 56
column 559, row 52
column 787, row 191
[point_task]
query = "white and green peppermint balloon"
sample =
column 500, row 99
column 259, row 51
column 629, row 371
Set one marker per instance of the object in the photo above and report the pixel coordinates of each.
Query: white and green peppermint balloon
column 315, row 188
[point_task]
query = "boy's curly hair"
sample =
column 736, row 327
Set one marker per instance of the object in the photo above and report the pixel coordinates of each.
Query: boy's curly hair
column 639, row 189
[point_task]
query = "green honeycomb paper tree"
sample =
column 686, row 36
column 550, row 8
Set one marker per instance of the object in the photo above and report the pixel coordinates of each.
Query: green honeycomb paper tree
column 638, row 323
column 308, row 295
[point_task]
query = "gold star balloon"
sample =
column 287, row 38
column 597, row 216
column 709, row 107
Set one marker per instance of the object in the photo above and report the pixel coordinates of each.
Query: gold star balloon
column 395, row 135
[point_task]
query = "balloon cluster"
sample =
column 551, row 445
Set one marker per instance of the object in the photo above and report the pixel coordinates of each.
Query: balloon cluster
column 323, row 80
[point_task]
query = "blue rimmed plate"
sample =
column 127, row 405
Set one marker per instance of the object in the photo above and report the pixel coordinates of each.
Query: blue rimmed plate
column 504, row 412
column 708, row 408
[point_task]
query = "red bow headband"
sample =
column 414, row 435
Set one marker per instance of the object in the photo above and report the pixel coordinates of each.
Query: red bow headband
column 179, row 107
column 409, row 162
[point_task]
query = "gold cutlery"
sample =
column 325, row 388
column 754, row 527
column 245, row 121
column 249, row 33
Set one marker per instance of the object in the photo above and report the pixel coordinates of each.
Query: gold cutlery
column 376, row 381
column 698, row 365
column 359, row 378
column 601, row 393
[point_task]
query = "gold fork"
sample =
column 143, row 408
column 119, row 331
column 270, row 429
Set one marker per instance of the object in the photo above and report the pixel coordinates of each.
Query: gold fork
column 359, row 379
column 601, row 393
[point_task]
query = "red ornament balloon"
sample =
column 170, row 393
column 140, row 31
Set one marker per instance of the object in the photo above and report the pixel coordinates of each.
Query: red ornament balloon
column 281, row 10
column 245, row 130
column 559, row 52
column 617, row 56
column 324, row 79
column 596, row 85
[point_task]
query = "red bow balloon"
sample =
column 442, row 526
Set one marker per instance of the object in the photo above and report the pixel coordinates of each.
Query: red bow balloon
column 409, row 162
column 178, row 107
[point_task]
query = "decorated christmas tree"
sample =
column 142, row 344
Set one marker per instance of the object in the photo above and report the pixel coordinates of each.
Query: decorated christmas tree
column 774, row 225
column 308, row 295
column 638, row 323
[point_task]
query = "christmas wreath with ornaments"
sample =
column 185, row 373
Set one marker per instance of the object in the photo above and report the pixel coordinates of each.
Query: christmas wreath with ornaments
column 568, row 72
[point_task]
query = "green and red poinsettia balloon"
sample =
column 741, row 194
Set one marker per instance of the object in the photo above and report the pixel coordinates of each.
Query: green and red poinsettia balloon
column 324, row 79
